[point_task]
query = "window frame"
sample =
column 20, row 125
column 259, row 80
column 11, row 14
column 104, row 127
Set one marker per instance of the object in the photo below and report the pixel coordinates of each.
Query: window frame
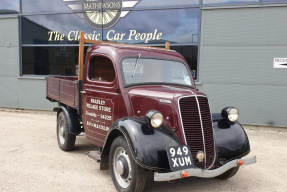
column 21, row 45
column 92, row 65
column 88, row 68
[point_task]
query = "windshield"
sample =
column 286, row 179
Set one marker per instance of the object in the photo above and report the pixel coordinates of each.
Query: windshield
column 154, row 71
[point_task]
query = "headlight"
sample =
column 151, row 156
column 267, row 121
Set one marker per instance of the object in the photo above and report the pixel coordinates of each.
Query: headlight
column 230, row 113
column 154, row 118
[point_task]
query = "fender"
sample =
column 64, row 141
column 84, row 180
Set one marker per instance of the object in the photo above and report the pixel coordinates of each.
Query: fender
column 147, row 144
column 72, row 117
column 231, row 140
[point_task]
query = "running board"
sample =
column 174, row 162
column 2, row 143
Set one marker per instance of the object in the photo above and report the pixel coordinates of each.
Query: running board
column 96, row 155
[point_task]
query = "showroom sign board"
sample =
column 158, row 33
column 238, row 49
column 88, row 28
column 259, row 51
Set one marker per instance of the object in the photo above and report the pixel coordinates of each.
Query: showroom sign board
column 280, row 63
column 103, row 15
column 111, row 35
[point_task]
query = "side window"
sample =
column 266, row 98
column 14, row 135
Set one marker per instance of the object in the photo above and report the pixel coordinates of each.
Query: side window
column 102, row 69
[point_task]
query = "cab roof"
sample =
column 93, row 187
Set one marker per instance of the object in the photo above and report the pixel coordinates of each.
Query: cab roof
column 125, row 49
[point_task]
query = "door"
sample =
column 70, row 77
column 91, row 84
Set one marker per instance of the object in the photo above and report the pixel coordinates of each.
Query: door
column 100, row 98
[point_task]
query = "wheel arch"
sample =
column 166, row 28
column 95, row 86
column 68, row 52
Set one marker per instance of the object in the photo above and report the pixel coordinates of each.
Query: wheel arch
column 231, row 139
column 147, row 145
column 72, row 117
column 104, row 165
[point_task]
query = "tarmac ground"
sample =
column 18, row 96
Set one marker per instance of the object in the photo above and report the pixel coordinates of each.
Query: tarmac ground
column 31, row 161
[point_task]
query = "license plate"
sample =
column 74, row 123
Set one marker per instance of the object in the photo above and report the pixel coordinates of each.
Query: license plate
column 179, row 157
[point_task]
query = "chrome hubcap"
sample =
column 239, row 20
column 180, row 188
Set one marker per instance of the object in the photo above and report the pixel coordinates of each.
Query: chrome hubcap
column 122, row 167
column 62, row 132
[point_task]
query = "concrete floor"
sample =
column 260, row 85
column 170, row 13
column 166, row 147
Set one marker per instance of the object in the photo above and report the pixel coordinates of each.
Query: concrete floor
column 31, row 161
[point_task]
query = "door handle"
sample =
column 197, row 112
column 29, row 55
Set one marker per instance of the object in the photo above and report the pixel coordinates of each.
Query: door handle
column 83, row 92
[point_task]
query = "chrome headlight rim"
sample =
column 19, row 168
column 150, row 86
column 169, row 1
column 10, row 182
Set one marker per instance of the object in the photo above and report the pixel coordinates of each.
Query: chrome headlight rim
column 230, row 113
column 154, row 118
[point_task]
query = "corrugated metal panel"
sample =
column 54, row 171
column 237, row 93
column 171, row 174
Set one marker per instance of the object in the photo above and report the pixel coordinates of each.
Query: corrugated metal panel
column 15, row 92
column 9, row 56
column 245, row 26
column 236, row 64
column 257, row 104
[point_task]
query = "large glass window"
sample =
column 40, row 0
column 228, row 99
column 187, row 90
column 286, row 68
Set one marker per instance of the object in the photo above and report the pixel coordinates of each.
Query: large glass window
column 190, row 54
column 50, row 29
column 69, row 6
column 218, row 2
column 9, row 6
column 48, row 6
column 56, row 29
column 50, row 60
column 165, row 3
column 156, row 26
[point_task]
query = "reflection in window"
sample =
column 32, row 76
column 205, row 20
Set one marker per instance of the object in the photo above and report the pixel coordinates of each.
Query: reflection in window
column 56, row 29
column 9, row 6
column 214, row 2
column 158, row 26
column 102, row 69
column 190, row 55
column 44, row 6
column 50, row 60
column 166, row 3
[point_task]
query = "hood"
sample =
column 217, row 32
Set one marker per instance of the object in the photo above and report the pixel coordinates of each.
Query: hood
column 160, row 97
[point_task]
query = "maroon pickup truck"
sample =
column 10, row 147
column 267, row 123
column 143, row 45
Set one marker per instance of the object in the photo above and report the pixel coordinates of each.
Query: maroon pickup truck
column 140, row 106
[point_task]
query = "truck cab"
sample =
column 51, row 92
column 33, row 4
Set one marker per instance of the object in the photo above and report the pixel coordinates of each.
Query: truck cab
column 140, row 106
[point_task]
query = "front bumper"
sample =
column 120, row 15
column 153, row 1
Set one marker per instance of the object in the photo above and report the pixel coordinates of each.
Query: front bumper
column 195, row 172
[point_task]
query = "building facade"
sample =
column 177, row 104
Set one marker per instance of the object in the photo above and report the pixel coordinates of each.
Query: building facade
column 230, row 46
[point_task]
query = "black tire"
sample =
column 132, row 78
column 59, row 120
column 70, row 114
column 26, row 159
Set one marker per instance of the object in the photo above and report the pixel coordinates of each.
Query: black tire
column 228, row 174
column 135, row 178
column 66, row 140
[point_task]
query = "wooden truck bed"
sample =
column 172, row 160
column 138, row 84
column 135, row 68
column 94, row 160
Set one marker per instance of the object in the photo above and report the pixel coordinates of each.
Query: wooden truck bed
column 64, row 90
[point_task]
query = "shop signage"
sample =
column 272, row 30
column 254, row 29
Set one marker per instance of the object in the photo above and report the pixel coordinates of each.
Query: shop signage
column 111, row 35
column 100, row 14
column 280, row 63
column 103, row 15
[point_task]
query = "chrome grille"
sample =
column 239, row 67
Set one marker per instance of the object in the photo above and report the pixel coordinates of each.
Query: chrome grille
column 197, row 126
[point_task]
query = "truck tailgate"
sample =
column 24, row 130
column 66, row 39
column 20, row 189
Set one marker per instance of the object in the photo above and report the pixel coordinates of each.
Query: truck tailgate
column 64, row 90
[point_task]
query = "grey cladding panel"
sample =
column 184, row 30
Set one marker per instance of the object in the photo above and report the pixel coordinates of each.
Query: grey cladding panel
column 245, row 26
column 257, row 104
column 9, row 31
column 236, row 64
column 9, row 62
column 242, row 65
column 9, row 56
column 33, row 94
column 9, row 93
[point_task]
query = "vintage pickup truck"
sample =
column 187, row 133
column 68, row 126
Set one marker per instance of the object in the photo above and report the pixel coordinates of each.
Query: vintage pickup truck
column 140, row 106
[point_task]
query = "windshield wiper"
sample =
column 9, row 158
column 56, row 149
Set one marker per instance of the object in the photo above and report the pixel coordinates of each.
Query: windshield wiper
column 136, row 64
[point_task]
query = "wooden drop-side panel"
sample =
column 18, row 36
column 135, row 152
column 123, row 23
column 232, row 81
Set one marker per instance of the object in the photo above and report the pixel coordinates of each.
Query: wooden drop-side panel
column 64, row 90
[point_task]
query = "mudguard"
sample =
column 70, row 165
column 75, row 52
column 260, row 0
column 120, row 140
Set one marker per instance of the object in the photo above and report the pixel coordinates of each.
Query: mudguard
column 73, row 120
column 148, row 145
column 230, row 139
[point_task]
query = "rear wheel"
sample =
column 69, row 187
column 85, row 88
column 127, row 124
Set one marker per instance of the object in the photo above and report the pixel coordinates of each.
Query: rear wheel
column 228, row 174
column 126, row 174
column 66, row 140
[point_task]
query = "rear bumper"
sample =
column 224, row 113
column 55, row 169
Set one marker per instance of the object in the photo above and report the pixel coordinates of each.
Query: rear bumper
column 195, row 172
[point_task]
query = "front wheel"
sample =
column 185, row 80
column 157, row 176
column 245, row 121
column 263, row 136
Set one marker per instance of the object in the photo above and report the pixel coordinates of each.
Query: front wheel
column 230, row 173
column 126, row 174
column 66, row 140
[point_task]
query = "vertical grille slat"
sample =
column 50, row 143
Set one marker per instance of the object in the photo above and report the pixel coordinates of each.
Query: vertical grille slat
column 194, row 113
